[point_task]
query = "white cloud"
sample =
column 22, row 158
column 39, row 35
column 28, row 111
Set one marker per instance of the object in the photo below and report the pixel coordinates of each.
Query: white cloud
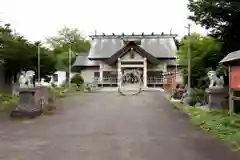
column 38, row 19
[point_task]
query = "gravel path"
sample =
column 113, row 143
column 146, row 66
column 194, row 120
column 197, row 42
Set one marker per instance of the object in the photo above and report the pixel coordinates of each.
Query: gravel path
column 106, row 126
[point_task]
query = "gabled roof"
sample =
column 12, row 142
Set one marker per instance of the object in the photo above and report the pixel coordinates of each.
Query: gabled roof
column 132, row 45
column 103, row 48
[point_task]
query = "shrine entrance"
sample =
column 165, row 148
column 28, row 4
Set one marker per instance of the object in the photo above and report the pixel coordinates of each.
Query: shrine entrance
column 129, row 77
column 132, row 78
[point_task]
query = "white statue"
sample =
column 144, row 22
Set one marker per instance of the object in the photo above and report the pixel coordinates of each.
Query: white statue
column 215, row 82
column 26, row 79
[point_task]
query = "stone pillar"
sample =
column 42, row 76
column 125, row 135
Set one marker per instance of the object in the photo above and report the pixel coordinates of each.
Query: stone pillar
column 145, row 73
column 119, row 71
column 100, row 80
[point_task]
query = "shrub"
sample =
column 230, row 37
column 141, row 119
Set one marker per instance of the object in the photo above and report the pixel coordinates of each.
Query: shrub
column 77, row 80
column 47, row 79
column 53, row 85
column 200, row 95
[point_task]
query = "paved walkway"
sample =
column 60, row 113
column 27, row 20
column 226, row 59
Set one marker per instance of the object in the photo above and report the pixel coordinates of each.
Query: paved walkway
column 110, row 127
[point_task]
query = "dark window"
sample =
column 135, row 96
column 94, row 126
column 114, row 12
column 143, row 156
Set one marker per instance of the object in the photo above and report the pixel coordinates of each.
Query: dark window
column 96, row 74
column 110, row 76
column 55, row 77
column 155, row 74
column 109, row 73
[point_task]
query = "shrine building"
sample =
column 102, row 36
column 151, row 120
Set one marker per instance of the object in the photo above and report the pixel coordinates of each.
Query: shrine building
column 151, row 54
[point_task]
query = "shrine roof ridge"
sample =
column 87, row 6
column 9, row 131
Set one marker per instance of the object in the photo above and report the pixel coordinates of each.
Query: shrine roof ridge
column 134, row 36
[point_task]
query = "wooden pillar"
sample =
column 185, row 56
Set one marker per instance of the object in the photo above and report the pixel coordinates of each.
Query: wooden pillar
column 101, row 74
column 119, row 67
column 145, row 73
column 230, row 94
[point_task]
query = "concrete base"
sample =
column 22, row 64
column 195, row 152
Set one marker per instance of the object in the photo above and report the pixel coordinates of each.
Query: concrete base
column 26, row 104
column 31, row 102
column 25, row 113
column 216, row 98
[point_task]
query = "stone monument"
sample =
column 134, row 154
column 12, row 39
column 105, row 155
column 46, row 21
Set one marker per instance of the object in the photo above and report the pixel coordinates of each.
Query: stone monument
column 189, row 97
column 216, row 91
column 179, row 91
column 28, row 105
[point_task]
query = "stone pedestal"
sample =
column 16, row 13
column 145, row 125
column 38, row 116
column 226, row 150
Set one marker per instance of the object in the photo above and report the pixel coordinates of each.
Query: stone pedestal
column 27, row 106
column 31, row 102
column 216, row 98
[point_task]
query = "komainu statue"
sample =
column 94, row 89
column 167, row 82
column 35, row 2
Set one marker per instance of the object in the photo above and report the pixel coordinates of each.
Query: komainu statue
column 26, row 79
column 215, row 82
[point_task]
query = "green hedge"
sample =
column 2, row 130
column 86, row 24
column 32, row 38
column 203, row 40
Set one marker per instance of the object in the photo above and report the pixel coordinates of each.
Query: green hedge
column 217, row 122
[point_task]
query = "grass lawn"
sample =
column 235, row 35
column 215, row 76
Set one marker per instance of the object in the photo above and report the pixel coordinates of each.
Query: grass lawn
column 217, row 122
column 61, row 92
column 7, row 101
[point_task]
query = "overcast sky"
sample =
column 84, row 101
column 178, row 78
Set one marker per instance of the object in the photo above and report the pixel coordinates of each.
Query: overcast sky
column 38, row 19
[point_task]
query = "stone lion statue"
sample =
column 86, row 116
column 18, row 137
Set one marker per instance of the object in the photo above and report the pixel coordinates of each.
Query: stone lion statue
column 215, row 82
column 26, row 79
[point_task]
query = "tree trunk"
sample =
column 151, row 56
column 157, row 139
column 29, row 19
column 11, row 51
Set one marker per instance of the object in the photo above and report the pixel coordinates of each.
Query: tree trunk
column 67, row 77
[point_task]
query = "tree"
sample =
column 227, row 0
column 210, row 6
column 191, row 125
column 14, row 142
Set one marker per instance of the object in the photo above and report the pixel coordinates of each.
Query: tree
column 68, row 38
column 204, row 54
column 221, row 17
column 77, row 80
column 73, row 36
column 19, row 54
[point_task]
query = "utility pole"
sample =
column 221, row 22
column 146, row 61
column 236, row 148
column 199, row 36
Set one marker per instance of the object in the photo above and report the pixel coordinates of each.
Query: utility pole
column 189, row 57
column 39, row 60
column 69, row 65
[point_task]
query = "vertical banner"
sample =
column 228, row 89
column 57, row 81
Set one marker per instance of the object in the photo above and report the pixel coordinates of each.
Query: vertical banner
column 235, row 77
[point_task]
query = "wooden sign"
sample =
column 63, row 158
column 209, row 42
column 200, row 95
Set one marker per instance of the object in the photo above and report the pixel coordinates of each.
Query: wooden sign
column 235, row 76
